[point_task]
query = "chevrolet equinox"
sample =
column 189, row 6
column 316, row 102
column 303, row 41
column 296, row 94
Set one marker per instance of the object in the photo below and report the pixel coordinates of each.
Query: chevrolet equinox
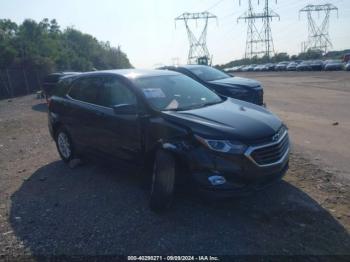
column 173, row 124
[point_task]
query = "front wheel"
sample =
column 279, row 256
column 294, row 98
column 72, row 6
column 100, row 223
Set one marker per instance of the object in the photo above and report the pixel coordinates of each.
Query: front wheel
column 64, row 145
column 163, row 181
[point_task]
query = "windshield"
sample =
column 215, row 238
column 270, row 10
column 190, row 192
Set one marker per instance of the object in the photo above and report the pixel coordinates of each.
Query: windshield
column 208, row 73
column 176, row 92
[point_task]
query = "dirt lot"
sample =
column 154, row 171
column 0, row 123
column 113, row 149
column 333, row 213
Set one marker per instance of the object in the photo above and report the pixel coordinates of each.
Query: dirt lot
column 46, row 208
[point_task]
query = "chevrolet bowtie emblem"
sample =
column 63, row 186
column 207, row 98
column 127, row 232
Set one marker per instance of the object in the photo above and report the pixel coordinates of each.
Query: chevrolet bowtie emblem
column 276, row 137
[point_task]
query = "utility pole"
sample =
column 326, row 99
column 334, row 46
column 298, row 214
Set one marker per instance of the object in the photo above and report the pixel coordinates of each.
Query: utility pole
column 259, row 42
column 198, row 52
column 318, row 35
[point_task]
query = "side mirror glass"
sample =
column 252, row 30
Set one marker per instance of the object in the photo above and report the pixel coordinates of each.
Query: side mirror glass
column 125, row 109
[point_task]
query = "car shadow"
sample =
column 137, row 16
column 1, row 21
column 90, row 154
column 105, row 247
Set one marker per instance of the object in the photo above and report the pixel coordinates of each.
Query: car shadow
column 42, row 107
column 99, row 210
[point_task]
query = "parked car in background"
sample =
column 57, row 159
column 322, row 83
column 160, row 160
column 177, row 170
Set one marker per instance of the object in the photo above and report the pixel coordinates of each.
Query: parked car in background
column 230, row 70
column 51, row 80
column 270, row 67
column 245, row 68
column 259, row 68
column 173, row 126
column 347, row 67
column 250, row 68
column 239, row 68
column 346, row 58
column 282, row 66
column 317, row 65
column 292, row 66
column 334, row 65
column 223, row 84
column 304, row 66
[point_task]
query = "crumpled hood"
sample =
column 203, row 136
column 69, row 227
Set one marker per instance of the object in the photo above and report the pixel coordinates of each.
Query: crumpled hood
column 237, row 81
column 232, row 119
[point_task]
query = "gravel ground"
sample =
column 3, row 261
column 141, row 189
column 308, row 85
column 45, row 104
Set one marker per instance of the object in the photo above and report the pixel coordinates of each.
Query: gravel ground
column 47, row 208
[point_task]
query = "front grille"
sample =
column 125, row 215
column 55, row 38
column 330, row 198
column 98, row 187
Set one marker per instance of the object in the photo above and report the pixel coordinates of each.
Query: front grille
column 269, row 154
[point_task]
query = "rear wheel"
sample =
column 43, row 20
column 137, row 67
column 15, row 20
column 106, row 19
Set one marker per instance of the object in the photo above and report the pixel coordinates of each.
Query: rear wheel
column 163, row 181
column 64, row 145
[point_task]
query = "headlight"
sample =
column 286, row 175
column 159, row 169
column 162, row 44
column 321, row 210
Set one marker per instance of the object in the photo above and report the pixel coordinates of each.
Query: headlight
column 223, row 146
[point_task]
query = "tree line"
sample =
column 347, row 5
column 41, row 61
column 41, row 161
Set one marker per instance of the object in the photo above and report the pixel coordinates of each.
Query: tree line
column 46, row 47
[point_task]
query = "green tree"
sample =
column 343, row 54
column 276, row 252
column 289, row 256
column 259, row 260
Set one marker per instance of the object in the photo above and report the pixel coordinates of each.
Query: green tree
column 46, row 47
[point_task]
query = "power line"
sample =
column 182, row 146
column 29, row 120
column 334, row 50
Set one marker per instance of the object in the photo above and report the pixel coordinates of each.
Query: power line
column 214, row 5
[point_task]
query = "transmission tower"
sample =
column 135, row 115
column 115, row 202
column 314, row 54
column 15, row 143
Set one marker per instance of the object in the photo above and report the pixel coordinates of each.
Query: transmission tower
column 259, row 41
column 198, row 53
column 318, row 38
column 254, row 40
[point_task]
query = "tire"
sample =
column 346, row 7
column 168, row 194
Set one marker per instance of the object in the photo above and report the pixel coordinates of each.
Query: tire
column 163, row 181
column 64, row 145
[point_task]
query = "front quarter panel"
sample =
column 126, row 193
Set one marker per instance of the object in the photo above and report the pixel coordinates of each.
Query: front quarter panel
column 161, row 132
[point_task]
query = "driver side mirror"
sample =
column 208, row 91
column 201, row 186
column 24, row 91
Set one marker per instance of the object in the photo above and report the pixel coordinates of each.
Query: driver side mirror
column 125, row 109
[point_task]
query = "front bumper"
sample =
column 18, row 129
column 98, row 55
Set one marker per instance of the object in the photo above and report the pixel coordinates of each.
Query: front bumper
column 240, row 173
column 234, row 188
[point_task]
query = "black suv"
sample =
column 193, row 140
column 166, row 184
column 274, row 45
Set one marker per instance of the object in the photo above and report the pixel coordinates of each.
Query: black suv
column 223, row 84
column 173, row 124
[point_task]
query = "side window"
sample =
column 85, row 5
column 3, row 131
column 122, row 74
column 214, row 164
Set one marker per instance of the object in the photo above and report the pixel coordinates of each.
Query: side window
column 85, row 90
column 114, row 92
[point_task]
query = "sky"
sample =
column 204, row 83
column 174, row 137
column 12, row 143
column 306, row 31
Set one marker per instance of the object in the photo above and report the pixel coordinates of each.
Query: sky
column 146, row 31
